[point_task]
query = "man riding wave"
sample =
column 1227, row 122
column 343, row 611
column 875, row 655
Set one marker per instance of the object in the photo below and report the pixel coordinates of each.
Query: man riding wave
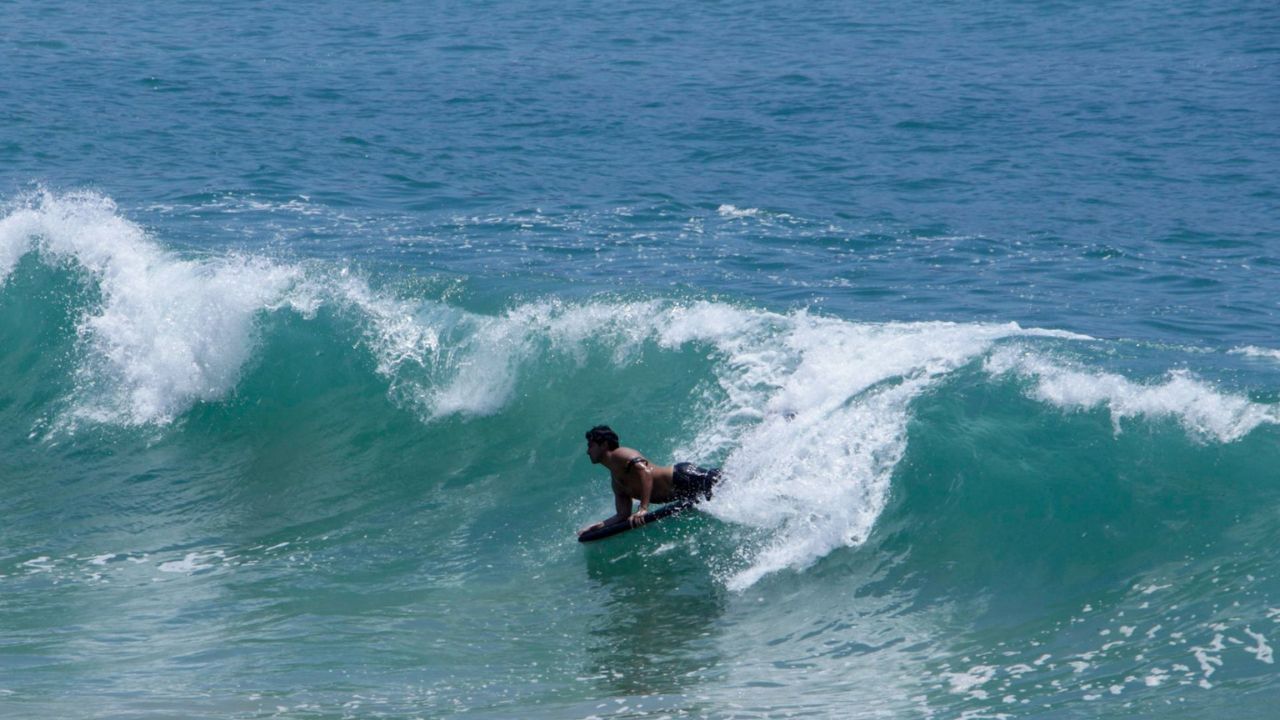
column 635, row 478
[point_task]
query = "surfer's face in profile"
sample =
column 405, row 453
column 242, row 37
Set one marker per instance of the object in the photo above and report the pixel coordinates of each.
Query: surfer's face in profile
column 600, row 440
column 595, row 451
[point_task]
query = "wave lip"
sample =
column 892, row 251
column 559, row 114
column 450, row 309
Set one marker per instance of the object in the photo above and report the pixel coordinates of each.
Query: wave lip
column 167, row 332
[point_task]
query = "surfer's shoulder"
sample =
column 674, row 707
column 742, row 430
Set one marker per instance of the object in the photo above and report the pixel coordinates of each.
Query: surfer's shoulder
column 634, row 459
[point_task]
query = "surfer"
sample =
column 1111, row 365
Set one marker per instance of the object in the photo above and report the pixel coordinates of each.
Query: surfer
column 635, row 478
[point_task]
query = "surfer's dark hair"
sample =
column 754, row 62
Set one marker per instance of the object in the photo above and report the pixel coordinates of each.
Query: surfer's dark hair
column 603, row 434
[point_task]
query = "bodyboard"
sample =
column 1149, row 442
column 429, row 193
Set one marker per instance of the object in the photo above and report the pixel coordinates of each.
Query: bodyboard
column 651, row 517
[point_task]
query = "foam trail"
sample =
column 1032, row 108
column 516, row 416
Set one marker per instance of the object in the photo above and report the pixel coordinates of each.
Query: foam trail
column 1201, row 409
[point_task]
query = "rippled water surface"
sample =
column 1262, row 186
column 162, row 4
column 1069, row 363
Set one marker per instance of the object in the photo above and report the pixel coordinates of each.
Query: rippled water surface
column 304, row 310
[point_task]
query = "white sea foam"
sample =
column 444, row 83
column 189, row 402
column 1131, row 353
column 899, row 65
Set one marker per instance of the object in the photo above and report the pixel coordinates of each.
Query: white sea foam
column 970, row 682
column 40, row 564
column 1260, row 649
column 732, row 211
column 168, row 332
column 400, row 333
column 1209, row 662
column 1199, row 407
column 1252, row 351
column 193, row 562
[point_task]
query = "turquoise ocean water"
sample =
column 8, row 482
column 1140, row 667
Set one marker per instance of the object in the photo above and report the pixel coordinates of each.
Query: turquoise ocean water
column 305, row 307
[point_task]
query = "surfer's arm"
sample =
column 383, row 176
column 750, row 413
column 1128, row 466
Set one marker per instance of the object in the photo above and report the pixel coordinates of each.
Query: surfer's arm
column 641, row 469
column 621, row 503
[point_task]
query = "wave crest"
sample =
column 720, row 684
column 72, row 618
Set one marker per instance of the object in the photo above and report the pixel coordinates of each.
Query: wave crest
column 1197, row 406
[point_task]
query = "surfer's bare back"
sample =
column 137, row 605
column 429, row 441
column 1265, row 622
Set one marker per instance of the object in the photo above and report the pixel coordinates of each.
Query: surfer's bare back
column 635, row 478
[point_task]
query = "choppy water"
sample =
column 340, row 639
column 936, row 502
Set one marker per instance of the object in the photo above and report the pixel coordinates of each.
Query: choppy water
column 304, row 310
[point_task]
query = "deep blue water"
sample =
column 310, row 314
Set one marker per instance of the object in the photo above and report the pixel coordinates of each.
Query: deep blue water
column 304, row 309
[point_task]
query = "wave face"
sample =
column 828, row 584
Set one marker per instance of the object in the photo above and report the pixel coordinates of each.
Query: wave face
column 266, row 468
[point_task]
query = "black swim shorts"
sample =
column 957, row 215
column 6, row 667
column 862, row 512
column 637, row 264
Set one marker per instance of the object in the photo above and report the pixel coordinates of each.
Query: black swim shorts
column 691, row 483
